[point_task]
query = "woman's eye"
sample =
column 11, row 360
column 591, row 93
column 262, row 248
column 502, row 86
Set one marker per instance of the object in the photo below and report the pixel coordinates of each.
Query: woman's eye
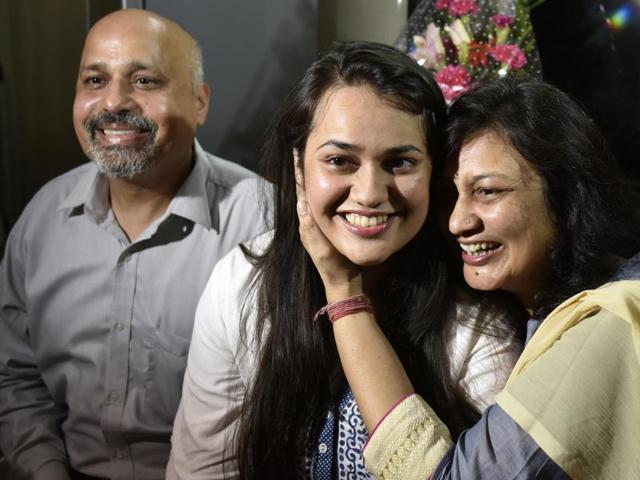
column 399, row 164
column 338, row 162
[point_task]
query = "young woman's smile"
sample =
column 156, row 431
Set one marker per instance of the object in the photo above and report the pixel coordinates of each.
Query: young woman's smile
column 367, row 173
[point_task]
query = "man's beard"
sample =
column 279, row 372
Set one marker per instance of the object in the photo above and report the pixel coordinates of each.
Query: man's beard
column 122, row 161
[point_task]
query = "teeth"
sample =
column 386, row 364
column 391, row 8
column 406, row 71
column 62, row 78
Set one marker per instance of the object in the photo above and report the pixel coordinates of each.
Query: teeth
column 364, row 221
column 119, row 132
column 477, row 249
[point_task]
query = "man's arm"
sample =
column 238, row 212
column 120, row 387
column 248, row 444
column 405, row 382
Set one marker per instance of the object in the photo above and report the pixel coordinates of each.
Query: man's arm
column 30, row 434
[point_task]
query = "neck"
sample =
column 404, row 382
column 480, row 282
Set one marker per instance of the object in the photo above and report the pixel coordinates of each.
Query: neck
column 372, row 281
column 526, row 299
column 137, row 202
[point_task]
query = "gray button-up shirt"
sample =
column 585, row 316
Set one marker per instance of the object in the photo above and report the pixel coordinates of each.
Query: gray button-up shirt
column 94, row 330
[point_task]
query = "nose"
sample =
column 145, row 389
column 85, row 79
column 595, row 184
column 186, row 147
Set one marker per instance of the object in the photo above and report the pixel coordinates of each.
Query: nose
column 463, row 219
column 370, row 186
column 118, row 97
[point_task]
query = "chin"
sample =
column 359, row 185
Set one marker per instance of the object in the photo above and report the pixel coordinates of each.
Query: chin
column 369, row 263
column 480, row 281
column 366, row 261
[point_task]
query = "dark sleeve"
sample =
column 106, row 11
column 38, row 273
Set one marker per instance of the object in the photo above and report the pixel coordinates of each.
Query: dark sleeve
column 30, row 433
column 496, row 448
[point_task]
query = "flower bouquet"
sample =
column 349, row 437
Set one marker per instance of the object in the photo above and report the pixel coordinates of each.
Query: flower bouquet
column 467, row 41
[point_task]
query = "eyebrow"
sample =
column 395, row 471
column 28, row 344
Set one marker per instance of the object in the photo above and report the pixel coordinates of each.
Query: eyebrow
column 131, row 66
column 358, row 148
column 483, row 176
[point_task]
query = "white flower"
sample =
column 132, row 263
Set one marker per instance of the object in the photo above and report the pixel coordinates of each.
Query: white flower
column 458, row 33
column 434, row 47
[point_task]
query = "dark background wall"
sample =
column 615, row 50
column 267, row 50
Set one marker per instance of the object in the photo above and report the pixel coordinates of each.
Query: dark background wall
column 254, row 52
column 589, row 49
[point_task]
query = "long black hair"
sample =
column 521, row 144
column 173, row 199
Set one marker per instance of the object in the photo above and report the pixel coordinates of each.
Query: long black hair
column 299, row 376
column 594, row 211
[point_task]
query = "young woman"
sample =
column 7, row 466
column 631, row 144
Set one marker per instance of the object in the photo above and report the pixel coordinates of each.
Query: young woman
column 264, row 391
column 540, row 213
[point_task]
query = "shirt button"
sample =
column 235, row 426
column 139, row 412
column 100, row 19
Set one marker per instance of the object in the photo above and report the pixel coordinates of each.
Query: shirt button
column 119, row 326
column 322, row 448
column 113, row 396
column 120, row 454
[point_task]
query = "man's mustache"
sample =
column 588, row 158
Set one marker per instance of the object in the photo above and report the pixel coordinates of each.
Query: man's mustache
column 122, row 119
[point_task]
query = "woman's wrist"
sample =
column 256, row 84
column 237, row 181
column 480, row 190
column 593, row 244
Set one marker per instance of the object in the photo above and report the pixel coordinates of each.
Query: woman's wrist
column 336, row 310
column 338, row 292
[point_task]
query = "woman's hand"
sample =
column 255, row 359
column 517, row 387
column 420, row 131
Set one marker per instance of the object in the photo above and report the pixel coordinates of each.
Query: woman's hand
column 341, row 278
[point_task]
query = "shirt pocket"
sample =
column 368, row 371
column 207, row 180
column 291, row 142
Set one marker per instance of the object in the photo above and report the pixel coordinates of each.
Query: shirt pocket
column 167, row 357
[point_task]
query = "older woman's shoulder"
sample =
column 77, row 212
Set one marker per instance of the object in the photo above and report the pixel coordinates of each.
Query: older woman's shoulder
column 629, row 269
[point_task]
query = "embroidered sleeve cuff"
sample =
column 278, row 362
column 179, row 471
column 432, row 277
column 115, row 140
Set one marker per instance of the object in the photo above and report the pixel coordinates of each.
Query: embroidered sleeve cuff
column 408, row 443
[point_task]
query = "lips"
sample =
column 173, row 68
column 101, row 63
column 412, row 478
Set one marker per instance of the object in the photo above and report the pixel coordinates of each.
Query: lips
column 480, row 248
column 479, row 253
column 366, row 225
column 366, row 220
column 122, row 128
column 121, row 135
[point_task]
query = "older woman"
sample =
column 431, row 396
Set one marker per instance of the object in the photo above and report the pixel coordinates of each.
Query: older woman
column 539, row 213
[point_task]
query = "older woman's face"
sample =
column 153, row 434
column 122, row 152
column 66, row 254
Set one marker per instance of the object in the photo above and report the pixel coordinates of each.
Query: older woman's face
column 366, row 174
column 500, row 219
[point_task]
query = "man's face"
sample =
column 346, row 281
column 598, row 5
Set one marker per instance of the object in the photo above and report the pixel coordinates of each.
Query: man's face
column 136, row 105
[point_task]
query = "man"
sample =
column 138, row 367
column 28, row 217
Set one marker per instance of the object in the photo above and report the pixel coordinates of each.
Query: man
column 103, row 271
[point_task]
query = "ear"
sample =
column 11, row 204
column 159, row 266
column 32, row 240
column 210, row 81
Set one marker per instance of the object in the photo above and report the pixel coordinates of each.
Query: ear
column 201, row 97
column 297, row 167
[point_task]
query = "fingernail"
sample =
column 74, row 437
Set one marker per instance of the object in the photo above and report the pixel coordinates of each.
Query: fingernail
column 301, row 207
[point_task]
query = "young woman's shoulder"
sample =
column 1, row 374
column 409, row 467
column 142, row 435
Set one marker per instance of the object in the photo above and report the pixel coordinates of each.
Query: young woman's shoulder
column 485, row 344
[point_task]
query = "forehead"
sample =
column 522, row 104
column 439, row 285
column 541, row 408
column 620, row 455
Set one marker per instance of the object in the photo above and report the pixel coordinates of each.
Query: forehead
column 490, row 154
column 149, row 43
column 358, row 112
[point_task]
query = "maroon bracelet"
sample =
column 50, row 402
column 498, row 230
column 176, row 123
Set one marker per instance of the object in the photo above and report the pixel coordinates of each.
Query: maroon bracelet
column 337, row 310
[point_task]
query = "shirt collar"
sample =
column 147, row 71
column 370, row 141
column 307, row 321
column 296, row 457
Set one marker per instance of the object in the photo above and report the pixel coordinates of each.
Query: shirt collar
column 190, row 201
column 90, row 192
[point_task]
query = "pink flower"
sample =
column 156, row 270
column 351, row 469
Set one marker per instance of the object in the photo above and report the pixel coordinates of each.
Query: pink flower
column 510, row 55
column 453, row 80
column 503, row 21
column 458, row 8
column 442, row 4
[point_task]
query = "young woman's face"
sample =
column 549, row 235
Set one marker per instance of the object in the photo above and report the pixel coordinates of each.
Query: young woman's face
column 366, row 174
column 501, row 219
